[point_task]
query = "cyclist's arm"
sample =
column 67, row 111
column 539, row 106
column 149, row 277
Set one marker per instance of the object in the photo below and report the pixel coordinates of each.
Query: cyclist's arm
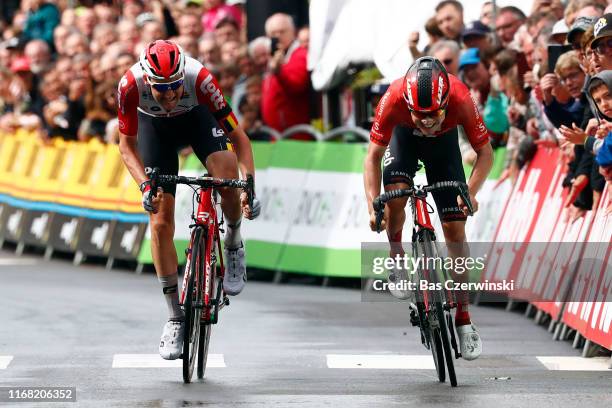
column 242, row 144
column 372, row 173
column 128, row 127
column 482, row 168
column 131, row 157
column 478, row 135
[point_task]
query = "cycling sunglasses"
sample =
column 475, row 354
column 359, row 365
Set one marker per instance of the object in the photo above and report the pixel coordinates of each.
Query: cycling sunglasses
column 171, row 86
column 429, row 115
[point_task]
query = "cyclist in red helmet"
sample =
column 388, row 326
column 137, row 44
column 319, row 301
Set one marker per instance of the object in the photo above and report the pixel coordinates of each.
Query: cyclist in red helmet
column 418, row 119
column 168, row 101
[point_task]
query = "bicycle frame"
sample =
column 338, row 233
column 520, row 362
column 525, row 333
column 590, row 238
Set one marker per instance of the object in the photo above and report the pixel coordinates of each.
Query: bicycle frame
column 206, row 218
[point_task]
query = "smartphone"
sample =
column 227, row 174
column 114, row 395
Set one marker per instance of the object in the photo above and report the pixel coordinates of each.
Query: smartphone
column 554, row 52
column 273, row 44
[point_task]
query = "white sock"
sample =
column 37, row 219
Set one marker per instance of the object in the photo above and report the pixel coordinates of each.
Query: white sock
column 233, row 239
column 170, row 289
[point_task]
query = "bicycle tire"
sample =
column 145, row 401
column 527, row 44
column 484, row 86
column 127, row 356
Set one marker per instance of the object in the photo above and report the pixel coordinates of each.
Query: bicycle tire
column 192, row 306
column 430, row 330
column 438, row 354
column 206, row 328
column 431, row 252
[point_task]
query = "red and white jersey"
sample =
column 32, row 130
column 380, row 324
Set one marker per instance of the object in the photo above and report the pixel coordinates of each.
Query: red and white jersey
column 392, row 110
column 201, row 88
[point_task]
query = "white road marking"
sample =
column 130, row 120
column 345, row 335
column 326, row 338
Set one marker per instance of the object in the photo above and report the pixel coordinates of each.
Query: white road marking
column 383, row 361
column 575, row 363
column 5, row 361
column 18, row 261
column 155, row 361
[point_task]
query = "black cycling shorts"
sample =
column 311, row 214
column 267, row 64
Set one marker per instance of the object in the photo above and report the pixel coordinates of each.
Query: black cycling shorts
column 160, row 139
column 441, row 157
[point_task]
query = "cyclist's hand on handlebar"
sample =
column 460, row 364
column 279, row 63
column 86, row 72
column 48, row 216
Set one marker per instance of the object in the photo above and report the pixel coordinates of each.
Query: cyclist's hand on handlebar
column 149, row 202
column 383, row 223
column 464, row 207
column 247, row 211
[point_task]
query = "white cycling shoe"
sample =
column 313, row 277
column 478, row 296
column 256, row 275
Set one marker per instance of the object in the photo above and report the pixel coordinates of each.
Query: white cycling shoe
column 171, row 342
column 235, row 272
column 469, row 342
column 398, row 279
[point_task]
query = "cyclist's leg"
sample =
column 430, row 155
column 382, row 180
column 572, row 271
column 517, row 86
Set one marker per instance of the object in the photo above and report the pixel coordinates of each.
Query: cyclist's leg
column 442, row 158
column 399, row 166
column 214, row 149
column 157, row 150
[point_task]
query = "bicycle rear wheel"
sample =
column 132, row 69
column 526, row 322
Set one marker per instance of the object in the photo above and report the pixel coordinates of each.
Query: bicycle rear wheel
column 437, row 307
column 193, row 305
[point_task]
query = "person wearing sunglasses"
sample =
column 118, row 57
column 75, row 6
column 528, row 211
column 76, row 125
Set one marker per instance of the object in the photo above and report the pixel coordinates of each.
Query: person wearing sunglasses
column 166, row 102
column 602, row 43
column 417, row 119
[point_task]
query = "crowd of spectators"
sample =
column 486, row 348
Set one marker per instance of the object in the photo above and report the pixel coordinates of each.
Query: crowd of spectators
column 543, row 78
column 538, row 78
column 61, row 61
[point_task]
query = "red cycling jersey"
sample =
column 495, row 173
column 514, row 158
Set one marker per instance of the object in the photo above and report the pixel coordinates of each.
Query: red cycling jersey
column 201, row 88
column 392, row 110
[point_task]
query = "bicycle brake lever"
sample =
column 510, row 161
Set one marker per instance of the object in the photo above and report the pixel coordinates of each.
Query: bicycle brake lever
column 250, row 189
column 153, row 174
column 465, row 196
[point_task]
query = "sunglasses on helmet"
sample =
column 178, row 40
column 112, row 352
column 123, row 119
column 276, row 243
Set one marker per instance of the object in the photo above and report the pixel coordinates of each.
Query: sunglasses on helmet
column 159, row 87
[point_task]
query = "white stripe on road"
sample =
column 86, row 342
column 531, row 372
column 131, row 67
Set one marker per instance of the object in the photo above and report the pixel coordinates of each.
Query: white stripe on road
column 18, row 261
column 575, row 363
column 155, row 361
column 5, row 361
column 383, row 361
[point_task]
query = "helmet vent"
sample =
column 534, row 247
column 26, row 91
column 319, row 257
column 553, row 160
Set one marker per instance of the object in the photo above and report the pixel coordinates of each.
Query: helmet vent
column 155, row 60
column 424, row 87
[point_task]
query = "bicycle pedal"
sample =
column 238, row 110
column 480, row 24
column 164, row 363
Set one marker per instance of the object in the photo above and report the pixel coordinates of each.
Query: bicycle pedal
column 226, row 301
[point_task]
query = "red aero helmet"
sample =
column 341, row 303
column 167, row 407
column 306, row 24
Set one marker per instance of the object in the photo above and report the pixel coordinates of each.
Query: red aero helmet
column 426, row 85
column 162, row 60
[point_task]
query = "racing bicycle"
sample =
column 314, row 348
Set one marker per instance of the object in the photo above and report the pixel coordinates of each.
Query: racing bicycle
column 432, row 313
column 202, row 295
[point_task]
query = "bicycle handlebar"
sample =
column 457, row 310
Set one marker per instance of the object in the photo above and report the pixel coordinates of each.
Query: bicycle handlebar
column 379, row 202
column 248, row 185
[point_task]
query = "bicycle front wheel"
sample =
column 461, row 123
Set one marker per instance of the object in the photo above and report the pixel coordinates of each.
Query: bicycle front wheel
column 207, row 326
column 193, row 305
column 437, row 307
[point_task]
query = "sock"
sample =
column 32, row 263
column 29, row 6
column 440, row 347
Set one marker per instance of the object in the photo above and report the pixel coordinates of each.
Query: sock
column 462, row 316
column 233, row 239
column 170, row 289
column 395, row 240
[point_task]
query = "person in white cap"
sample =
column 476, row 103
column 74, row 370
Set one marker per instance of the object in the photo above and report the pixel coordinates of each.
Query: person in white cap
column 559, row 33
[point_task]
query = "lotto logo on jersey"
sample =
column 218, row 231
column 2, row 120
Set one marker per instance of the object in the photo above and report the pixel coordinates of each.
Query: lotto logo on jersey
column 217, row 132
column 209, row 87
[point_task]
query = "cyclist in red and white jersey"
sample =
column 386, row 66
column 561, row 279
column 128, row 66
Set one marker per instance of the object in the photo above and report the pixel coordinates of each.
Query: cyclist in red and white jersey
column 168, row 101
column 417, row 119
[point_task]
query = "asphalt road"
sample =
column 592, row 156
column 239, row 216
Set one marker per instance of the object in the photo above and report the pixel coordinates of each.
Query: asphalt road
column 276, row 346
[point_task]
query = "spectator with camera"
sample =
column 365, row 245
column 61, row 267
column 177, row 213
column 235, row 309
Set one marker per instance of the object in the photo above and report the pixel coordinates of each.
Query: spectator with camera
column 286, row 86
